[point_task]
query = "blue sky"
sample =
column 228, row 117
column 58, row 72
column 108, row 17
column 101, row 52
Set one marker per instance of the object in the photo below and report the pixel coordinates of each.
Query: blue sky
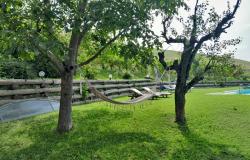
column 240, row 28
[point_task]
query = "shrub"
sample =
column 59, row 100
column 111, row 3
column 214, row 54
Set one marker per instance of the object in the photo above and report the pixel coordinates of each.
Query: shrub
column 85, row 91
column 245, row 78
column 29, row 69
column 89, row 74
column 222, row 84
column 17, row 69
column 126, row 76
column 42, row 63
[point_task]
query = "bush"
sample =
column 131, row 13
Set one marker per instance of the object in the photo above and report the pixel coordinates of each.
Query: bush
column 17, row 69
column 29, row 69
column 89, row 75
column 85, row 92
column 88, row 72
column 245, row 78
column 222, row 84
column 42, row 63
column 126, row 76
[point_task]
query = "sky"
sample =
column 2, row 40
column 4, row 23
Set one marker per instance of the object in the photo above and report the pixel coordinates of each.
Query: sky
column 240, row 28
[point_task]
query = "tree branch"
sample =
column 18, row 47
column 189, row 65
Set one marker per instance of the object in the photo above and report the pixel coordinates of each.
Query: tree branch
column 219, row 28
column 193, row 82
column 174, row 40
column 164, row 33
column 101, row 50
column 164, row 64
column 228, row 25
column 198, row 78
column 194, row 30
column 83, row 5
column 53, row 58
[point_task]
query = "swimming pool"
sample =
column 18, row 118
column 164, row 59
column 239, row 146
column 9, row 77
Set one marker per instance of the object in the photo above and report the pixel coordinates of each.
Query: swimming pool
column 232, row 92
column 243, row 91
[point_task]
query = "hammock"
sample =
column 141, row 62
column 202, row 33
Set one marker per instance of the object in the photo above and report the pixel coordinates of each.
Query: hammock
column 105, row 98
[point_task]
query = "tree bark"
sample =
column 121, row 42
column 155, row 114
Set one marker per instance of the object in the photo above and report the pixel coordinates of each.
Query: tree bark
column 65, row 121
column 180, row 90
column 180, row 103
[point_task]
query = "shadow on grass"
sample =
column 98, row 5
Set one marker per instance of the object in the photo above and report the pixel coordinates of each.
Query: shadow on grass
column 91, row 138
column 197, row 147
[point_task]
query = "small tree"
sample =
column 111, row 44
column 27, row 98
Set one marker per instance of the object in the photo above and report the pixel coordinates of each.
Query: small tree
column 201, row 32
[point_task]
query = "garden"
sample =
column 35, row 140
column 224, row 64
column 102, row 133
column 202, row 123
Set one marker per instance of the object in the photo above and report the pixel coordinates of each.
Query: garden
column 124, row 79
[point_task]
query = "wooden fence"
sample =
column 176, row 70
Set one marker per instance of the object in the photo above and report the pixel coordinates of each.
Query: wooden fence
column 17, row 89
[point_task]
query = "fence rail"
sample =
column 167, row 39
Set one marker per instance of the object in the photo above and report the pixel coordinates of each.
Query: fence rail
column 12, row 90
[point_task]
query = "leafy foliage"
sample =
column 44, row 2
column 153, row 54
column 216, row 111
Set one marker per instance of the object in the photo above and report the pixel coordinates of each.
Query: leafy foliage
column 17, row 69
column 224, row 68
column 85, row 91
column 42, row 63
column 201, row 32
column 127, row 76
column 89, row 73
column 39, row 25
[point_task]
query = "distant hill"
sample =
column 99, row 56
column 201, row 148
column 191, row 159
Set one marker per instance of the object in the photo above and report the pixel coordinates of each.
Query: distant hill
column 171, row 55
column 244, row 64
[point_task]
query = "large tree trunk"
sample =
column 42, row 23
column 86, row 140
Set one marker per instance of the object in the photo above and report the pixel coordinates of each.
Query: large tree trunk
column 65, row 121
column 180, row 92
column 180, row 105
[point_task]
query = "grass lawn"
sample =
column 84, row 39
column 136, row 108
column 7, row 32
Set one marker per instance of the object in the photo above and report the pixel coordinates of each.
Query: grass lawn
column 218, row 128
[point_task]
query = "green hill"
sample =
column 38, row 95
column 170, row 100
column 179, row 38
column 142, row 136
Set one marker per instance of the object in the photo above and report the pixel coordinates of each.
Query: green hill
column 170, row 55
column 244, row 64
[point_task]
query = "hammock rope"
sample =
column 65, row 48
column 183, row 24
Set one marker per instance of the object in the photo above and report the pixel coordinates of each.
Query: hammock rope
column 107, row 99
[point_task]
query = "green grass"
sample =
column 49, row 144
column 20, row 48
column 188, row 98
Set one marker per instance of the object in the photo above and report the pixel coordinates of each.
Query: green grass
column 218, row 129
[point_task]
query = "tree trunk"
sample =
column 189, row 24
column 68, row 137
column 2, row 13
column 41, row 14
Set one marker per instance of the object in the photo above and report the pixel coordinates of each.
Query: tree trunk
column 180, row 105
column 65, row 121
column 180, row 97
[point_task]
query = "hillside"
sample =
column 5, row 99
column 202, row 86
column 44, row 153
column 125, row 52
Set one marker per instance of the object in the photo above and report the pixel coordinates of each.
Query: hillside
column 171, row 55
column 244, row 64
column 139, row 73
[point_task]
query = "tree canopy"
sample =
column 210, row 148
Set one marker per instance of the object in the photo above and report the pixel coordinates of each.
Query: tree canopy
column 58, row 28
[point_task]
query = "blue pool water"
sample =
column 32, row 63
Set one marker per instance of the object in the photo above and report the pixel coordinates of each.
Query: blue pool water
column 233, row 92
column 243, row 91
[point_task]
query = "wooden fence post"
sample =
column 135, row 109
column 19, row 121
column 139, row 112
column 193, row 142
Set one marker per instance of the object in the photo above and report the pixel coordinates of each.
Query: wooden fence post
column 14, row 87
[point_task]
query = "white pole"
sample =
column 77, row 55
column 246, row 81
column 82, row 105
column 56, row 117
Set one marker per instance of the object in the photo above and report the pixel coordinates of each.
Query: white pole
column 169, row 77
